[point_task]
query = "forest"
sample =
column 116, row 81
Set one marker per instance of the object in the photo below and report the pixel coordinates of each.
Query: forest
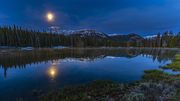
column 18, row 37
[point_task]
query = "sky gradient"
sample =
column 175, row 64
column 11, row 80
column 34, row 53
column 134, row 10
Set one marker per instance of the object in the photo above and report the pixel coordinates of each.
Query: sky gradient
column 145, row 17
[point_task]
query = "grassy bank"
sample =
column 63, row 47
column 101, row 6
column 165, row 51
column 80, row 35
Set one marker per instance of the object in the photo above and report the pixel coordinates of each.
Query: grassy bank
column 175, row 65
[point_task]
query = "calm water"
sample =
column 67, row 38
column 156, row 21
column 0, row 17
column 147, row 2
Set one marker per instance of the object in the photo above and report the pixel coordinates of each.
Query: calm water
column 21, row 72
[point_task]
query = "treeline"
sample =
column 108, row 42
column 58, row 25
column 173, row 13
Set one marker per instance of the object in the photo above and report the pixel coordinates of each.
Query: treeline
column 167, row 39
column 18, row 37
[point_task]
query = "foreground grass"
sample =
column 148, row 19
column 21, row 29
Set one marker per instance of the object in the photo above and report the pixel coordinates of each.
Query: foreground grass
column 155, row 86
column 175, row 65
column 101, row 90
column 177, row 97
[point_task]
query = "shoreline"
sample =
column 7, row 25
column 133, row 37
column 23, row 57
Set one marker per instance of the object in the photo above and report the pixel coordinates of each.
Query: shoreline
column 64, row 47
column 25, row 49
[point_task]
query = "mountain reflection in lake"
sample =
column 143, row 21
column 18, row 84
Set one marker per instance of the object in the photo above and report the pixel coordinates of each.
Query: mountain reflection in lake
column 45, row 69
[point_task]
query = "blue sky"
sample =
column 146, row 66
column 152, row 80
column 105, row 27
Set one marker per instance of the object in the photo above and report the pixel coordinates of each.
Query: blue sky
column 144, row 17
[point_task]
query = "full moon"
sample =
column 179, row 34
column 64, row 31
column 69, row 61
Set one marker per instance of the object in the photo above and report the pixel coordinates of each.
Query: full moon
column 50, row 16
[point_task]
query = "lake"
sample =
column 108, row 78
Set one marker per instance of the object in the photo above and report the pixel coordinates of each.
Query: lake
column 23, row 71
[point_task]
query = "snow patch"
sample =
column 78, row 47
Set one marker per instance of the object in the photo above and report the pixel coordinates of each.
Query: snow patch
column 150, row 36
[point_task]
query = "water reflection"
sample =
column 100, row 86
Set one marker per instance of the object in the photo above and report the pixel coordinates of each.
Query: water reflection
column 53, row 71
column 20, row 59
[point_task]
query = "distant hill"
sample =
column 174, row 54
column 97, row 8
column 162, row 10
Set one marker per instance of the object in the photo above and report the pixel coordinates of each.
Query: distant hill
column 127, row 38
column 99, row 35
column 85, row 33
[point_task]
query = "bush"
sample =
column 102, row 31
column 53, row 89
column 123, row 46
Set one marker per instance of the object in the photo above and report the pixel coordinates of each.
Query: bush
column 149, row 91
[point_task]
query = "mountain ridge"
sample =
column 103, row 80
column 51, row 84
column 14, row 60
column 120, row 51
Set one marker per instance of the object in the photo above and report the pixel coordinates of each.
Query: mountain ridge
column 88, row 33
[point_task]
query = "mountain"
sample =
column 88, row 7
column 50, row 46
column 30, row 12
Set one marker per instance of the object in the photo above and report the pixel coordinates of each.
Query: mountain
column 85, row 33
column 126, row 38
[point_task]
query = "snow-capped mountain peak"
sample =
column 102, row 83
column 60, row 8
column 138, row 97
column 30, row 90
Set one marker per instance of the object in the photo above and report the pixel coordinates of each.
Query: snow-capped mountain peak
column 83, row 33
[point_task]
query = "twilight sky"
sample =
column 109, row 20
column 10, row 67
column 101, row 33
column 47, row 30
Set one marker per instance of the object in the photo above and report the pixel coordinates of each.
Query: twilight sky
column 144, row 17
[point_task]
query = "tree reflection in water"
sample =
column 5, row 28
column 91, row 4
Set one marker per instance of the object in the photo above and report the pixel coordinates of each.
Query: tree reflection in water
column 20, row 59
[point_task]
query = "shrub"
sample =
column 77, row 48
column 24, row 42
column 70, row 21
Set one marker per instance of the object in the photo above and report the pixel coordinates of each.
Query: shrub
column 149, row 91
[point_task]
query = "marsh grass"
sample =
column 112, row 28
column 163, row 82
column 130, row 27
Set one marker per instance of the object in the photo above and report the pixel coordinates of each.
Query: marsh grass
column 177, row 97
column 175, row 65
column 155, row 75
column 101, row 90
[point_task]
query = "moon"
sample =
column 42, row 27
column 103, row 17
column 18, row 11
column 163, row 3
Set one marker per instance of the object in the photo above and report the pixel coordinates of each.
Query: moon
column 50, row 17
